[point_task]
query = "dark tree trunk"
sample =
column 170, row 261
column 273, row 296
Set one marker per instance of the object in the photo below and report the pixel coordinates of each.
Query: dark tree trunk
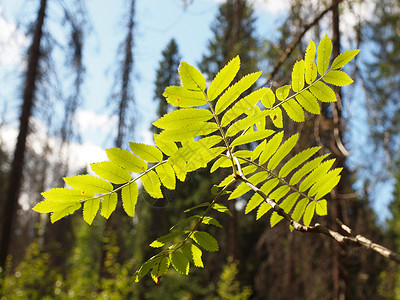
column 15, row 179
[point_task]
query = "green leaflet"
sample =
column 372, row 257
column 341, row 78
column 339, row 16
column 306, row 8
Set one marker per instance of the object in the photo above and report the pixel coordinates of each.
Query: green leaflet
column 179, row 96
column 244, row 105
column 257, row 151
column 183, row 117
column 68, row 210
column 243, row 188
column 246, row 122
column 321, row 207
column 194, row 253
column 324, row 52
column 179, row 262
column 126, row 160
column 311, row 67
column 188, row 132
column 211, row 221
column 282, row 151
column 323, row 92
column 148, row 153
column 279, row 193
column 232, row 93
column 271, row 147
column 309, row 102
column 191, row 77
column 65, row 195
column 269, row 99
column 256, row 199
column 90, row 209
column 89, row 183
column 338, row 78
column 243, row 153
column 294, row 110
column 262, row 210
column 252, row 136
column 344, row 58
column 298, row 76
column 276, row 117
column 222, row 162
column 111, row 172
column 307, row 168
column 108, row 204
column 162, row 240
column 145, row 268
column 48, row 206
column 316, row 174
column 204, row 156
column 205, row 204
column 283, row 92
column 221, row 208
column 129, row 198
column 287, row 204
column 297, row 160
column 299, row 209
column 309, row 213
column 168, row 147
column 160, row 268
column 167, row 175
column 325, row 184
column 205, row 240
column 223, row 78
column 151, row 184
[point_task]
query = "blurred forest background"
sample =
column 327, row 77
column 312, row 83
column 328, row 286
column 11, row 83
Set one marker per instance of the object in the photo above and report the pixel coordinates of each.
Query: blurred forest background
column 71, row 260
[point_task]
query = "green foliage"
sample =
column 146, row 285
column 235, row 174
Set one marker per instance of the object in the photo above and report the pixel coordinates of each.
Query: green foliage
column 202, row 130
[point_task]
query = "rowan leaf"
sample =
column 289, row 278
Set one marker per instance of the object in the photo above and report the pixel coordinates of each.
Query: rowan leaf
column 68, row 210
column 180, row 262
column 338, row 78
column 151, row 184
column 344, row 58
column 108, row 204
column 205, row 240
column 89, row 183
column 183, row 117
column 299, row 209
column 90, row 209
column 191, row 77
column 282, row 151
column 162, row 240
column 167, row 175
column 48, row 206
column 311, row 67
column 316, row 174
column 221, row 208
column 307, row 168
column 294, row 110
column 148, row 153
column 309, row 213
column 224, row 78
column 324, row 52
column 252, row 136
column 271, row 147
column 129, row 198
column 269, row 99
column 323, row 92
column 298, row 76
column 111, row 172
column 256, row 199
column 232, row 93
column 65, row 195
column 180, row 96
column 126, row 160
column 188, row 132
column 283, row 92
column 168, row 147
column 321, row 207
column 297, row 160
column 308, row 102
column 244, row 188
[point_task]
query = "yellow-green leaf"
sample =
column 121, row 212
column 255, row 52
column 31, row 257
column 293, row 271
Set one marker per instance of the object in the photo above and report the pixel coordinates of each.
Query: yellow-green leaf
column 111, row 172
column 68, row 210
column 188, row 132
column 231, row 94
column 48, row 206
column 344, row 58
column 146, row 152
column 179, row 262
column 183, row 117
column 126, row 160
column 294, row 110
column 151, row 184
column 90, row 209
column 179, row 96
column 309, row 213
column 311, row 67
column 205, row 240
column 167, row 175
column 191, row 77
column 283, row 150
column 309, row 102
column 168, row 147
column 323, row 92
column 283, row 92
column 108, row 204
column 324, row 52
column 321, row 207
column 271, row 147
column 129, row 198
column 223, row 78
column 269, row 99
column 252, row 136
column 89, row 183
column 338, row 78
column 298, row 76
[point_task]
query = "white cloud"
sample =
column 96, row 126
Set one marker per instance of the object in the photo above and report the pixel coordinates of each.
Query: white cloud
column 88, row 120
column 12, row 41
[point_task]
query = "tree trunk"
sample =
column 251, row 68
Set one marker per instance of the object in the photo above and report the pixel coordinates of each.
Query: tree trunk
column 15, row 179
